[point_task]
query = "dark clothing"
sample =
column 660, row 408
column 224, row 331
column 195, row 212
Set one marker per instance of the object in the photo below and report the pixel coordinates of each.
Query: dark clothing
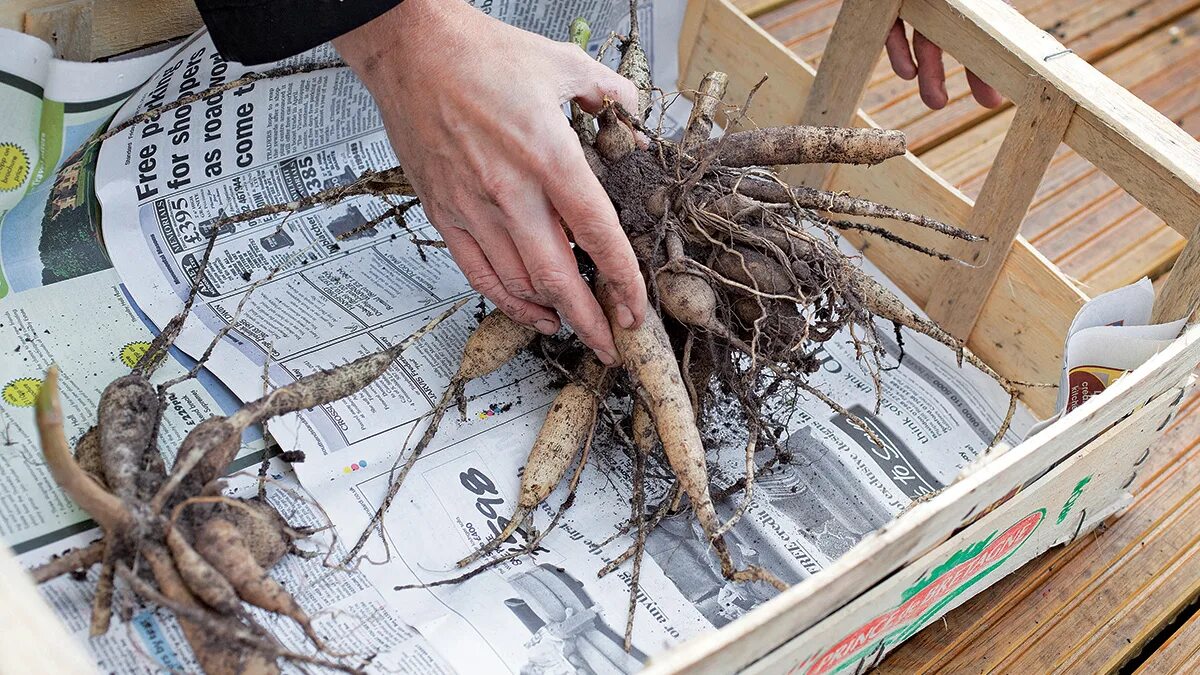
column 257, row 31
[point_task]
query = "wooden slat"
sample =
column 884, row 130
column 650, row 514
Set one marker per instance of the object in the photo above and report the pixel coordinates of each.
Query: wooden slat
column 1074, row 220
column 798, row 608
column 730, row 42
column 116, row 26
column 1077, row 606
column 856, row 41
column 957, row 298
column 1179, row 296
column 66, row 27
column 1092, row 29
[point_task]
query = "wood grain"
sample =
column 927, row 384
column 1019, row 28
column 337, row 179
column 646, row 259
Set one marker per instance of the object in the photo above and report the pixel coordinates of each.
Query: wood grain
column 1149, row 156
column 1180, row 654
column 958, row 296
column 67, row 27
column 116, row 26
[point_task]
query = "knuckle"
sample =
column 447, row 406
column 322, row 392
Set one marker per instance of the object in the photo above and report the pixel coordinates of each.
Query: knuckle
column 485, row 282
column 521, row 287
column 609, row 250
column 625, row 272
column 552, row 283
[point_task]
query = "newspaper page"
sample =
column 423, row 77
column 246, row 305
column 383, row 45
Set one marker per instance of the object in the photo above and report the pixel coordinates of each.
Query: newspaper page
column 335, row 300
column 88, row 327
column 48, row 225
column 348, row 613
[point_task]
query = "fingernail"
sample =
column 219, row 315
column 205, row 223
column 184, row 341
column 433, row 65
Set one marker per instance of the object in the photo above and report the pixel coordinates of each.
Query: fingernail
column 546, row 327
column 606, row 358
column 624, row 316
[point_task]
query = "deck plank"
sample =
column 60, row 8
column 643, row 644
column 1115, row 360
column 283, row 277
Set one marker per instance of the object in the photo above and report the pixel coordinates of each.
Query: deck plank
column 1073, row 602
column 1179, row 654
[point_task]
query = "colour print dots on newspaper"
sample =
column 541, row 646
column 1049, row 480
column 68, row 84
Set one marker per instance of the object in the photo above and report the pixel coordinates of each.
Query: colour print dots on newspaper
column 493, row 410
column 360, row 464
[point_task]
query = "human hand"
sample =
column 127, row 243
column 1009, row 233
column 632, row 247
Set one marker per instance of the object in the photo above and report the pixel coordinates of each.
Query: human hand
column 473, row 109
column 929, row 71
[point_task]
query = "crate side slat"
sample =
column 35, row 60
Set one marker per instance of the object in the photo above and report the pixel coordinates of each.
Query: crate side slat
column 1075, row 496
column 1018, row 601
column 1038, row 610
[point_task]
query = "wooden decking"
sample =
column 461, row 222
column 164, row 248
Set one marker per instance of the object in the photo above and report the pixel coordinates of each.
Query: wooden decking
column 1123, row 598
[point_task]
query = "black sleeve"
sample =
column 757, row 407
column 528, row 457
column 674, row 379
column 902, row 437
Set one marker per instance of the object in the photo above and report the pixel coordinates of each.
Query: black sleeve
column 257, row 31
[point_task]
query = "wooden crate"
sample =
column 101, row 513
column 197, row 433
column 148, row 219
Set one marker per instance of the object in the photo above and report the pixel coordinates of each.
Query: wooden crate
column 1013, row 308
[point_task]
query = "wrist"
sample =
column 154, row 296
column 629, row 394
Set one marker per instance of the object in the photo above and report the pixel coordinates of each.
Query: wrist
column 384, row 41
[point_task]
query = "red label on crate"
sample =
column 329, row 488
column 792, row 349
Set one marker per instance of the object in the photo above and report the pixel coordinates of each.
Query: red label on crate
column 926, row 598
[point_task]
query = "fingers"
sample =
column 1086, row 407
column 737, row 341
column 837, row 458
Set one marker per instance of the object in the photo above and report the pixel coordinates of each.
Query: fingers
column 929, row 69
column 899, row 53
column 483, row 278
column 493, row 239
column 589, row 82
column 984, row 93
column 931, row 74
column 585, row 207
column 555, row 275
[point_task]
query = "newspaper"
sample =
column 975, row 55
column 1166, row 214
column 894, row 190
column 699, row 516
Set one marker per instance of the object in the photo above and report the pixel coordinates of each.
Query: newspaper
column 1110, row 336
column 548, row 612
column 91, row 330
column 164, row 184
column 48, row 225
